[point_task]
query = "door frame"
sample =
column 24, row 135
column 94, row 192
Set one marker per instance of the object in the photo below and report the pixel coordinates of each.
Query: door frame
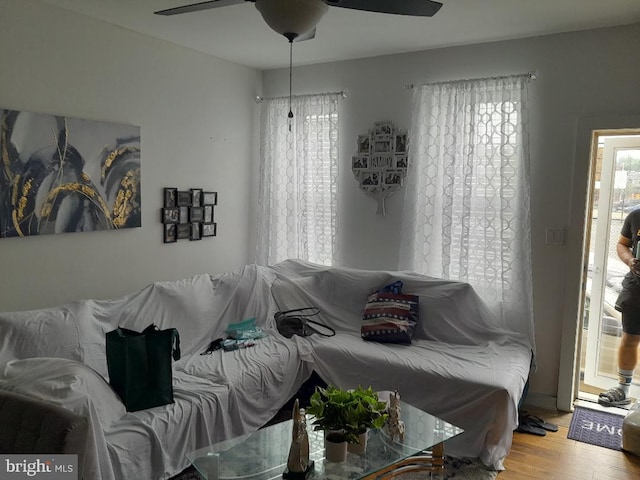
column 587, row 126
column 612, row 144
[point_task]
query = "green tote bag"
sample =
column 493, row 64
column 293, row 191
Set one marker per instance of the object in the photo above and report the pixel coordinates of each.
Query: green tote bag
column 139, row 365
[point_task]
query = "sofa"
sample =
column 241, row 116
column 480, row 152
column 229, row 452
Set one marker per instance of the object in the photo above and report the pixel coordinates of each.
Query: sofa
column 36, row 426
column 463, row 365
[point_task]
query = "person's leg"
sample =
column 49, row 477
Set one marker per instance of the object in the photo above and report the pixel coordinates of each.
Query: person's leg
column 628, row 351
column 627, row 303
column 627, row 361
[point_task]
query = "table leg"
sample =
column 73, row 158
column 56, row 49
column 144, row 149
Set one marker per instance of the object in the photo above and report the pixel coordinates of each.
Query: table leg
column 428, row 461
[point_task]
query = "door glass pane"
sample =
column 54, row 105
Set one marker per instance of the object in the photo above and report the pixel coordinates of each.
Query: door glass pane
column 624, row 198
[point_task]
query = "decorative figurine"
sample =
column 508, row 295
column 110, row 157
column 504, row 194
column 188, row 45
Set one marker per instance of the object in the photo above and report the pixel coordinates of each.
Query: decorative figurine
column 395, row 426
column 298, row 465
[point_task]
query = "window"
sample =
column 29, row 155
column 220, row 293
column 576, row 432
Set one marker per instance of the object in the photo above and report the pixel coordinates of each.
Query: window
column 298, row 180
column 466, row 212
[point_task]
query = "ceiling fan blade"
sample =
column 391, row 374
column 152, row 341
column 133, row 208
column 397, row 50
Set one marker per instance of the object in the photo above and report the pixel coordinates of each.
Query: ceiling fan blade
column 196, row 7
column 419, row 8
column 310, row 35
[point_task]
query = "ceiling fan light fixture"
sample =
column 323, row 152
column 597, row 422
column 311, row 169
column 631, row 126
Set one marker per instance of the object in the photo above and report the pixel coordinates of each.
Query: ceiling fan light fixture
column 292, row 18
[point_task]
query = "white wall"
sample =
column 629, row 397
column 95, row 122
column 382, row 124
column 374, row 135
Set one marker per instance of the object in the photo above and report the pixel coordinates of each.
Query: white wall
column 579, row 75
column 197, row 119
column 198, row 126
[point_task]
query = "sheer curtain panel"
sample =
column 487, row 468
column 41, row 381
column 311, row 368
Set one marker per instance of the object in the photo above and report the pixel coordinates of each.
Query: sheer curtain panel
column 466, row 210
column 298, row 180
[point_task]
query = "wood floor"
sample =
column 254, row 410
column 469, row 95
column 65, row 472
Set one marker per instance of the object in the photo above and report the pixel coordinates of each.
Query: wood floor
column 554, row 456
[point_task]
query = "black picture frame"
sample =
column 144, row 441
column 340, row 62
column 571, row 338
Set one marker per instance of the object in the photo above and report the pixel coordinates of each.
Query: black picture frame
column 196, row 197
column 183, row 199
column 184, row 214
column 196, row 232
column 183, row 231
column 170, row 194
column 187, row 213
column 209, row 229
column 170, row 233
column 170, row 215
column 208, row 214
column 210, row 198
column 196, row 214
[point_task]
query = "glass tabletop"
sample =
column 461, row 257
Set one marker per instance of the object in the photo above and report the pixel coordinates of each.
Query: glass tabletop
column 262, row 455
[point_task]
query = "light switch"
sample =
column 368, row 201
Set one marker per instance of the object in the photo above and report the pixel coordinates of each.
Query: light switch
column 555, row 235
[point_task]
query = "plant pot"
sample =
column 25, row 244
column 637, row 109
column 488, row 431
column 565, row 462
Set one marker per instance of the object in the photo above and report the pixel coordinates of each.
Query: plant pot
column 360, row 447
column 335, row 448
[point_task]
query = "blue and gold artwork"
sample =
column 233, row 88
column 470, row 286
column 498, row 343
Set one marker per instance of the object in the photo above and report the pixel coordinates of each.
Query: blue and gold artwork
column 62, row 174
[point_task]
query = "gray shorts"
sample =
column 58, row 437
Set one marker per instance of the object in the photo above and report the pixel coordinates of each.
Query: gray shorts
column 629, row 304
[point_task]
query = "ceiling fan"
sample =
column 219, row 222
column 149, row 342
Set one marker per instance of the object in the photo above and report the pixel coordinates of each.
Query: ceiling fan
column 295, row 18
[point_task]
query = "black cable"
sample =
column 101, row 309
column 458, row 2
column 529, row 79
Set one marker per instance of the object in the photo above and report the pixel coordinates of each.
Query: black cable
column 290, row 80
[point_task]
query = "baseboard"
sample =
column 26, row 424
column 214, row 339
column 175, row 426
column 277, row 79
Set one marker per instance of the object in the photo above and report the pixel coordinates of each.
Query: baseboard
column 539, row 400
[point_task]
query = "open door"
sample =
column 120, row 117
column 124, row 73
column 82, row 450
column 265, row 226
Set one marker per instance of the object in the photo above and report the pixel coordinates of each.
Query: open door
column 616, row 192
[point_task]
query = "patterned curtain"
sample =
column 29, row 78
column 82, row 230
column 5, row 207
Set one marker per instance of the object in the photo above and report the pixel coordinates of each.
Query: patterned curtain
column 298, row 180
column 466, row 209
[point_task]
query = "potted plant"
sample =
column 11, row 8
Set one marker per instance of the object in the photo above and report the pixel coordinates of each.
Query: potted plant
column 365, row 412
column 328, row 405
column 345, row 415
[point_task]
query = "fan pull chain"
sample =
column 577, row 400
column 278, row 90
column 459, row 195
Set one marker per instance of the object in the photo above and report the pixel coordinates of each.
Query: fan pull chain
column 290, row 80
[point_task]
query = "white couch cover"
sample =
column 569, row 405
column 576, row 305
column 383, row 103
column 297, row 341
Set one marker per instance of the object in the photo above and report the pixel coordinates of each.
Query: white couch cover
column 463, row 365
column 58, row 355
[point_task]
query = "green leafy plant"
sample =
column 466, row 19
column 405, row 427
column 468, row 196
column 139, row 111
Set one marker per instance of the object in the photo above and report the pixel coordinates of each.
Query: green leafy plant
column 347, row 413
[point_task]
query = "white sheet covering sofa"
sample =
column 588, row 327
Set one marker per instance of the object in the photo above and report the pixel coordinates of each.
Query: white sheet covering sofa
column 58, row 355
column 462, row 366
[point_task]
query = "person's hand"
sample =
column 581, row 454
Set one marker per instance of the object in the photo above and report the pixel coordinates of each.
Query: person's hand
column 634, row 265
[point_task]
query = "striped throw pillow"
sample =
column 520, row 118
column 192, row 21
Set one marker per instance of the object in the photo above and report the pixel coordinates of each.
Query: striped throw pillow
column 390, row 317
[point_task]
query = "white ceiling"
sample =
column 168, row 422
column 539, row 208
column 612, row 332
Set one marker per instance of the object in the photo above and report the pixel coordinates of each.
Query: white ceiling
column 237, row 33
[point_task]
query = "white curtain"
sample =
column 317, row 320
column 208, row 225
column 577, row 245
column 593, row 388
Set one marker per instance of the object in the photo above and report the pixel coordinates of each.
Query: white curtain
column 298, row 180
column 466, row 209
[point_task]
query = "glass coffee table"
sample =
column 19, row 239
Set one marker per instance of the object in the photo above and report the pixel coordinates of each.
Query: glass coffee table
column 262, row 455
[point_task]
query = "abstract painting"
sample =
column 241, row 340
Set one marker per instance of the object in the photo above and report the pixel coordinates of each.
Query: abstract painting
column 62, row 174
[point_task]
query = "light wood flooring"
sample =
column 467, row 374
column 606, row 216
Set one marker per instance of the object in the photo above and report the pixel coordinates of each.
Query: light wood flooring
column 554, row 456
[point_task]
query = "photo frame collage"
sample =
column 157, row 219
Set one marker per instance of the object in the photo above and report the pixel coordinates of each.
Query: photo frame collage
column 188, row 214
column 380, row 164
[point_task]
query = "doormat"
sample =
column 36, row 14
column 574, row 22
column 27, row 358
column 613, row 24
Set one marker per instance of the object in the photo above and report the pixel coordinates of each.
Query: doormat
column 596, row 427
